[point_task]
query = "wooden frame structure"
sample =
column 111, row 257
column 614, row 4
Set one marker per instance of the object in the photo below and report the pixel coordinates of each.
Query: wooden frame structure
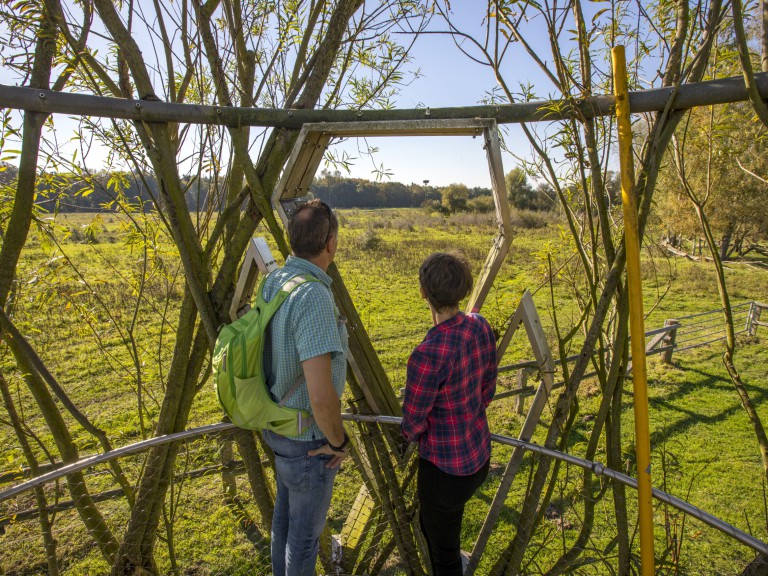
column 258, row 259
column 307, row 154
column 314, row 139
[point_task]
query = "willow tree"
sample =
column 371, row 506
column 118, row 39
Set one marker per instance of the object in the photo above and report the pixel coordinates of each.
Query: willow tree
column 304, row 54
column 570, row 45
column 32, row 28
column 713, row 159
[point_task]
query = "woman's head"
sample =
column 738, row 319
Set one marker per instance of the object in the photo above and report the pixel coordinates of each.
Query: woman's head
column 445, row 280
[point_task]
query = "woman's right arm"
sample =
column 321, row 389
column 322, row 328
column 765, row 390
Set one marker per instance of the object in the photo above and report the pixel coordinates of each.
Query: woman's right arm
column 421, row 388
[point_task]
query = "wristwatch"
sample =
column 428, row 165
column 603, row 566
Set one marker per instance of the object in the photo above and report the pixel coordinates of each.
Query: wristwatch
column 342, row 446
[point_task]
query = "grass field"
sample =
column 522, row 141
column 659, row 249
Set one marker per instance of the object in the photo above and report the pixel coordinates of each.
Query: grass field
column 78, row 304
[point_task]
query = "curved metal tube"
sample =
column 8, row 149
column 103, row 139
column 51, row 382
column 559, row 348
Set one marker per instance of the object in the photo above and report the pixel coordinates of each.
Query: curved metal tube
column 596, row 468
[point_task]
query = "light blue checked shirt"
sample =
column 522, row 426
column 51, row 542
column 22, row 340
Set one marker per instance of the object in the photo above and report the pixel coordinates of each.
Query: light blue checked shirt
column 306, row 325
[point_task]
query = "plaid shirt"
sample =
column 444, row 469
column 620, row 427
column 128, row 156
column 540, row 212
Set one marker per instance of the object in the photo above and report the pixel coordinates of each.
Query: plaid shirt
column 451, row 380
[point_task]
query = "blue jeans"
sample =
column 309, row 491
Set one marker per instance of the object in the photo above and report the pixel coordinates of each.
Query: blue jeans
column 304, row 489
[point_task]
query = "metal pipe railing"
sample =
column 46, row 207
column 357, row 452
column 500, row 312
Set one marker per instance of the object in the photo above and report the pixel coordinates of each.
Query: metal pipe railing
column 596, row 468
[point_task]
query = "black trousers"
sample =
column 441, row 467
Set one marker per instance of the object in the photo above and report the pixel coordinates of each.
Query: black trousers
column 442, row 498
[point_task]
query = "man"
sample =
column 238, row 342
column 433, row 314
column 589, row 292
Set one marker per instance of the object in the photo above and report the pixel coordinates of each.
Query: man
column 308, row 341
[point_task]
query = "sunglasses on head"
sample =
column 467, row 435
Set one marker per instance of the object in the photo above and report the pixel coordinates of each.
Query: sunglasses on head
column 329, row 214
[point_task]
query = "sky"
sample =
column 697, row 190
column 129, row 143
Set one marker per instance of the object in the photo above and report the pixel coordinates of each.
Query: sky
column 448, row 78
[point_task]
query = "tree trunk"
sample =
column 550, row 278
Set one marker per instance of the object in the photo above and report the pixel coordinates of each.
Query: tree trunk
column 14, row 240
column 49, row 542
column 136, row 551
column 725, row 242
column 86, row 508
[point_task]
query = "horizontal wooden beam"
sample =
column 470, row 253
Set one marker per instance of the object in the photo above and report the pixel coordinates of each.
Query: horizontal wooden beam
column 689, row 96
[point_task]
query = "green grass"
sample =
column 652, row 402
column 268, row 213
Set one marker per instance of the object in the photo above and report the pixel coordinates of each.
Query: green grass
column 703, row 445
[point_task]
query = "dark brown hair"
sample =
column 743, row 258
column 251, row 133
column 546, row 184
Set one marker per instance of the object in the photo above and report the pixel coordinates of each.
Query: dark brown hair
column 310, row 228
column 446, row 279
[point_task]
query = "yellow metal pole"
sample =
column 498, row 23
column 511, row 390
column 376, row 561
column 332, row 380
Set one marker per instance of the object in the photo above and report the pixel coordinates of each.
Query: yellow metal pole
column 636, row 324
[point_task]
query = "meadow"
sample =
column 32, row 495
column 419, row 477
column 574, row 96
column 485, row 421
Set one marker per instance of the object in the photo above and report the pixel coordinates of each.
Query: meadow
column 78, row 300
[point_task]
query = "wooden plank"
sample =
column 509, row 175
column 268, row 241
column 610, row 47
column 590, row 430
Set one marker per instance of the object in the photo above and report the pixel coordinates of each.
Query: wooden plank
column 356, row 526
column 414, row 127
column 514, row 324
column 543, row 355
column 258, row 259
column 311, row 152
column 306, row 149
column 501, row 243
column 655, row 341
column 491, row 267
column 498, row 182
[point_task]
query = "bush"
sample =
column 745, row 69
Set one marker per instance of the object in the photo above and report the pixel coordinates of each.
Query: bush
column 531, row 219
column 435, row 206
column 481, row 204
column 76, row 234
column 369, row 241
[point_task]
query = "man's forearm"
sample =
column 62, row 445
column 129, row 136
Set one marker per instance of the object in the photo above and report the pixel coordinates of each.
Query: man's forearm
column 326, row 406
column 327, row 415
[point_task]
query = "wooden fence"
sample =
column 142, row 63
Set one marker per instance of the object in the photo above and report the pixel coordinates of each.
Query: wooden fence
column 677, row 335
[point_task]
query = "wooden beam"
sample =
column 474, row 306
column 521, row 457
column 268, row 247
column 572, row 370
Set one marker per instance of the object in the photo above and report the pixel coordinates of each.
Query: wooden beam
column 689, row 96
column 501, row 243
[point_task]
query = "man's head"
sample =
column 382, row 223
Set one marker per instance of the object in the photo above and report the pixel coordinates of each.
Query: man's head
column 312, row 229
column 445, row 280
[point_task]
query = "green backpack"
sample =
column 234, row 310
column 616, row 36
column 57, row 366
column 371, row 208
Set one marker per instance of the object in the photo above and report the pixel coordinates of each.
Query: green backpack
column 238, row 370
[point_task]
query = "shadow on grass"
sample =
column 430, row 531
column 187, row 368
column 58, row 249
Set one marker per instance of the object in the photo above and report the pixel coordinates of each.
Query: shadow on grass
column 704, row 381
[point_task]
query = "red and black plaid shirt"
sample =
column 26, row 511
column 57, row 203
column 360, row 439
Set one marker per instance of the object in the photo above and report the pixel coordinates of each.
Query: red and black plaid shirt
column 451, row 380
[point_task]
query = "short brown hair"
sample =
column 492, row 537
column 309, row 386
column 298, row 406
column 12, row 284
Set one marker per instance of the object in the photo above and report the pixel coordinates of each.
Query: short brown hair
column 446, row 279
column 310, row 228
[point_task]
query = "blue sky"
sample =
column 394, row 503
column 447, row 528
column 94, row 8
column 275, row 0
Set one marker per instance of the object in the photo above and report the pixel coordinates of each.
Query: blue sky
column 448, row 78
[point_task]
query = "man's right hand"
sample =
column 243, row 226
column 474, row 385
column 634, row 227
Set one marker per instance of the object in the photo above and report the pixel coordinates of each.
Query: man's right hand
column 337, row 457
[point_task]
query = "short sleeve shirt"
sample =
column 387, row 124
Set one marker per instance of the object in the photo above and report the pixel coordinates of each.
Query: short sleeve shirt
column 307, row 325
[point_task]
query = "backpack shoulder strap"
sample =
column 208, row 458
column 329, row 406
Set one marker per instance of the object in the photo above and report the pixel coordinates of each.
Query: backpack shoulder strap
column 268, row 309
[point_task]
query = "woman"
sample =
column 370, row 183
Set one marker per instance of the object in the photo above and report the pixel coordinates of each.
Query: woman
column 451, row 379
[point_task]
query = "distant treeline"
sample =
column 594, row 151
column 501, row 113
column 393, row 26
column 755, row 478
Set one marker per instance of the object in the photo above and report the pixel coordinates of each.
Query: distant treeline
column 69, row 192
column 342, row 192
column 99, row 192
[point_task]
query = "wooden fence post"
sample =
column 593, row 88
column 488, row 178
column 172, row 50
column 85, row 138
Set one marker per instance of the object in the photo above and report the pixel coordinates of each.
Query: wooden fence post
column 669, row 340
column 522, row 378
column 226, row 457
column 754, row 318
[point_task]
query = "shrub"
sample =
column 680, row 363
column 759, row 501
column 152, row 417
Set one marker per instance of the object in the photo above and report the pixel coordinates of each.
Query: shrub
column 481, row 204
column 530, row 219
column 75, row 234
column 435, row 206
column 369, row 241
